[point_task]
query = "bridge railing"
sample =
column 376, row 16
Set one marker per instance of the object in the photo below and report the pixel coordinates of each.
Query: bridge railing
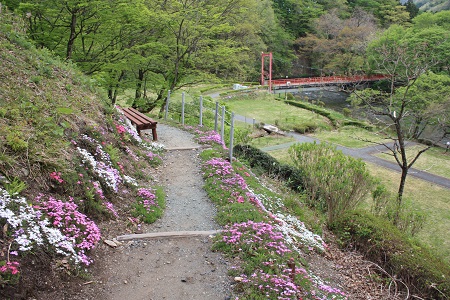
column 326, row 80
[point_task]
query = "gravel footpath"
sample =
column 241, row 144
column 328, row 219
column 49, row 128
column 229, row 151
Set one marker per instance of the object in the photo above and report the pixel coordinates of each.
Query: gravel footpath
column 169, row 268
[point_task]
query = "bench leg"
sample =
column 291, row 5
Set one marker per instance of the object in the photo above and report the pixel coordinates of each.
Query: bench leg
column 154, row 134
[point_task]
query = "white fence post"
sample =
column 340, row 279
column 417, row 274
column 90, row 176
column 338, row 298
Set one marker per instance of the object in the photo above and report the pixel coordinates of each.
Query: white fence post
column 231, row 137
column 222, row 128
column 167, row 106
column 182, row 108
column 201, row 111
column 216, row 116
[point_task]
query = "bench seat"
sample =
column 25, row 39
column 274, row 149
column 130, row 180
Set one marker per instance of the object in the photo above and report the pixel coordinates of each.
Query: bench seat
column 141, row 121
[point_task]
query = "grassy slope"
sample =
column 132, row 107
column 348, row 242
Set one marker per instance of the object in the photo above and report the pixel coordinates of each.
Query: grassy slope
column 46, row 106
column 43, row 103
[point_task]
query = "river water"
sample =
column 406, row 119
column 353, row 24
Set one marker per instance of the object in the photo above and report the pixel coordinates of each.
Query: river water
column 331, row 96
column 335, row 99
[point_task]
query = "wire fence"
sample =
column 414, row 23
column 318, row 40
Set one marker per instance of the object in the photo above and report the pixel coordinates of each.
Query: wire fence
column 203, row 112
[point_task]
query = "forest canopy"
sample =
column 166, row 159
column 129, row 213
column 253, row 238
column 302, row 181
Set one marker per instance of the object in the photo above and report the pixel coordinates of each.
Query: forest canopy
column 152, row 47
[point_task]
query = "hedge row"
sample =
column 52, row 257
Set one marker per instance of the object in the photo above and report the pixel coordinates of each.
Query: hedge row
column 412, row 263
column 318, row 110
column 259, row 159
column 328, row 114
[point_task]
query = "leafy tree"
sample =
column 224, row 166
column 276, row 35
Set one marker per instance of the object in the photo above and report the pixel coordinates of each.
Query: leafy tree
column 339, row 45
column 201, row 39
column 441, row 20
column 412, row 9
column 404, row 56
column 388, row 12
column 57, row 24
column 430, row 105
column 296, row 16
column 150, row 45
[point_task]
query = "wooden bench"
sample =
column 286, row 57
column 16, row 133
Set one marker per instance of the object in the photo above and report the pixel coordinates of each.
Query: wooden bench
column 141, row 121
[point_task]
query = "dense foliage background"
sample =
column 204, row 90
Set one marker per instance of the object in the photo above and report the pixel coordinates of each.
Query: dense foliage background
column 156, row 46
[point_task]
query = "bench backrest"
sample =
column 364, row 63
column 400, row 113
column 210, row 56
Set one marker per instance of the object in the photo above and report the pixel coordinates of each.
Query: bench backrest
column 136, row 117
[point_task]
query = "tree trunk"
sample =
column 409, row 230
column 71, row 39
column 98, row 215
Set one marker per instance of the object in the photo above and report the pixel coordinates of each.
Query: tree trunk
column 163, row 106
column 113, row 89
column 403, row 163
column 401, row 189
column 73, row 27
column 110, row 95
column 140, row 79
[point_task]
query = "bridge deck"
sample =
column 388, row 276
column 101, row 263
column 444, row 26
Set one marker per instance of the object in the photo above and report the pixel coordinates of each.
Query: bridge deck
column 325, row 80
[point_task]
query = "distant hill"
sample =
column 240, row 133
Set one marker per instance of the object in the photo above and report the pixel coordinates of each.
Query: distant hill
column 432, row 5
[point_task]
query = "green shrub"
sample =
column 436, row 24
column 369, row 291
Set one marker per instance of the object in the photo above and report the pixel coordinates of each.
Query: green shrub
column 407, row 219
column 16, row 186
column 357, row 123
column 411, row 262
column 305, row 128
column 15, row 140
column 347, row 112
column 243, row 135
column 261, row 160
column 335, row 182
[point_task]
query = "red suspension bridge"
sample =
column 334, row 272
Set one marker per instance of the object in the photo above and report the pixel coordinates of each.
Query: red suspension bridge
column 323, row 81
column 290, row 83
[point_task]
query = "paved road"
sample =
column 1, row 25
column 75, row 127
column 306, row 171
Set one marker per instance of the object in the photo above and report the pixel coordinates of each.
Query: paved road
column 366, row 154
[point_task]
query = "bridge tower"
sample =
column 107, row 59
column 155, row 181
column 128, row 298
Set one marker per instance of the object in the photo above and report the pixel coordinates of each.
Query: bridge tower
column 263, row 55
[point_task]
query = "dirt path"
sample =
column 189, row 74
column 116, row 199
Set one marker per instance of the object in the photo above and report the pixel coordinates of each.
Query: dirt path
column 186, row 268
column 169, row 268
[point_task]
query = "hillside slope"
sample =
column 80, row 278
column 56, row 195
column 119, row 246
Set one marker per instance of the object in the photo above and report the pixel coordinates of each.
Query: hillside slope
column 432, row 5
column 71, row 169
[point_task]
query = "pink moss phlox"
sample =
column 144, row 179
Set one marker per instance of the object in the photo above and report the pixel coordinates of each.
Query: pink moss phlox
column 120, row 129
column 222, row 168
column 76, row 226
column 98, row 189
column 56, row 176
column 10, row 268
column 209, row 137
column 111, row 208
column 152, row 156
column 256, row 233
column 148, row 198
column 330, row 290
column 275, row 285
column 131, row 153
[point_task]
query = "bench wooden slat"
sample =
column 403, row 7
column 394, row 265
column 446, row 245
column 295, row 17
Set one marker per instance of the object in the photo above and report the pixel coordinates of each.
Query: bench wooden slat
column 141, row 121
column 138, row 116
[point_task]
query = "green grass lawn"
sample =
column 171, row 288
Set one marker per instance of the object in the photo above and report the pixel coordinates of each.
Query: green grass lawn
column 281, row 155
column 428, row 198
column 434, row 160
column 350, row 136
column 265, row 109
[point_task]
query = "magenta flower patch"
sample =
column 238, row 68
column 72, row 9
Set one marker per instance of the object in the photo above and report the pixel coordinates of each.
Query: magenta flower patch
column 78, row 229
